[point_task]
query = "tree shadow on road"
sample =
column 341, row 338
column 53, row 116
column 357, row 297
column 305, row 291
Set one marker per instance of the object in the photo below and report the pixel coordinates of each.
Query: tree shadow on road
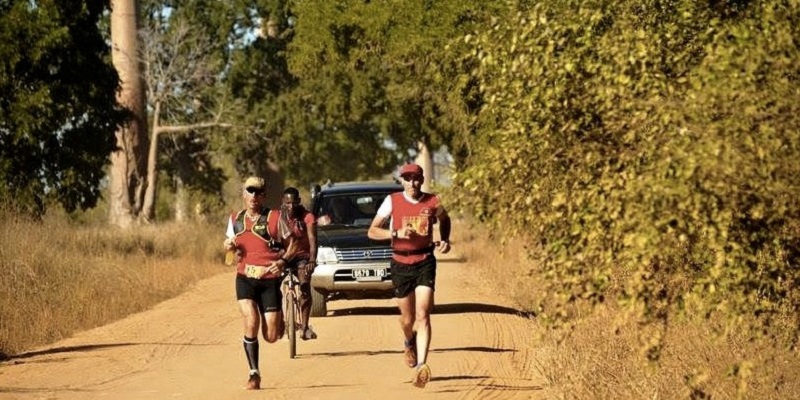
column 450, row 308
column 473, row 348
column 64, row 349
column 377, row 352
column 80, row 349
column 486, row 387
column 43, row 392
column 462, row 308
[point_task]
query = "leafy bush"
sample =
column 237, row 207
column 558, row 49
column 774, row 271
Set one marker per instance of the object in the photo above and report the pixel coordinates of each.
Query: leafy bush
column 649, row 149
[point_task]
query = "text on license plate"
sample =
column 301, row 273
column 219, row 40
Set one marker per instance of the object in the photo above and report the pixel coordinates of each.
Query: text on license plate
column 369, row 274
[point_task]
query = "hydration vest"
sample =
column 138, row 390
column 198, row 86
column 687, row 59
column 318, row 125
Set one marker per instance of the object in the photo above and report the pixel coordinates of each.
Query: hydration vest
column 260, row 228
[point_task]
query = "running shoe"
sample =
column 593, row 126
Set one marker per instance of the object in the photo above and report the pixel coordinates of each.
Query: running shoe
column 254, row 382
column 309, row 334
column 410, row 351
column 410, row 355
column 422, row 376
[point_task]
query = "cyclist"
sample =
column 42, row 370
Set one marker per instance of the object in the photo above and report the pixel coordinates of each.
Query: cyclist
column 412, row 213
column 263, row 252
column 304, row 228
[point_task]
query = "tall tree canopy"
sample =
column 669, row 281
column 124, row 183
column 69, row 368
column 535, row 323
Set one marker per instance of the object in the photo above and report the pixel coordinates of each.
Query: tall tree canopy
column 57, row 111
column 356, row 85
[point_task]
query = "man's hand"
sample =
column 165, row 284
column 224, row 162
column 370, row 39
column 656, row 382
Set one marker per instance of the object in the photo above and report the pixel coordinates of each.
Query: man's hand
column 276, row 268
column 406, row 232
column 444, row 246
column 229, row 243
column 311, row 265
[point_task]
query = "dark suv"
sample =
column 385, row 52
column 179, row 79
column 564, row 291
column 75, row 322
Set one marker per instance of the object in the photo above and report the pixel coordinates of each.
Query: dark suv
column 349, row 264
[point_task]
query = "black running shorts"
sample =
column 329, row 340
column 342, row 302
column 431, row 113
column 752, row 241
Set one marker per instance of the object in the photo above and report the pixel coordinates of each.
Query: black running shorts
column 406, row 277
column 265, row 292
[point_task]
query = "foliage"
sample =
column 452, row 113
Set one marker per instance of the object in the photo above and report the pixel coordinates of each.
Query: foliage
column 349, row 90
column 649, row 147
column 58, row 112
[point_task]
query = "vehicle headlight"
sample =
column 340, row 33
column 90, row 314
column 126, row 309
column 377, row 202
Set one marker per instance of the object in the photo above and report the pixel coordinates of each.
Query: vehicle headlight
column 326, row 255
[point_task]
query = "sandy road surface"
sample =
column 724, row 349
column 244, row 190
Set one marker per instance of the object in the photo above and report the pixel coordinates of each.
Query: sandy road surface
column 190, row 348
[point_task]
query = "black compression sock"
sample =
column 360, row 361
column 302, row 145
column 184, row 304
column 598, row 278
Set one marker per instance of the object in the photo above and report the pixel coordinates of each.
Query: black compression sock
column 251, row 350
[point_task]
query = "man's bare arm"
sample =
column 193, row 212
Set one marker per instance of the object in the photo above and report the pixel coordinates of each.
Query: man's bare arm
column 376, row 232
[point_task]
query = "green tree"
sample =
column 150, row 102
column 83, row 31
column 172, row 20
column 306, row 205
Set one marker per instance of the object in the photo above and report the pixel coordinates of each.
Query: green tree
column 361, row 84
column 58, row 112
column 185, row 59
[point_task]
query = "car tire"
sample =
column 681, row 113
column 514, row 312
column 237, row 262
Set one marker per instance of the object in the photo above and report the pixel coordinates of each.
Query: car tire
column 319, row 308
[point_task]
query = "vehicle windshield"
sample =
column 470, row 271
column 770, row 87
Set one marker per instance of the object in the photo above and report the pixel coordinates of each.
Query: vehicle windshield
column 348, row 209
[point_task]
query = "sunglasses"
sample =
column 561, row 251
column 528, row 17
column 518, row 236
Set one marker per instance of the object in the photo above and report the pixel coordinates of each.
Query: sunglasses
column 254, row 191
column 409, row 178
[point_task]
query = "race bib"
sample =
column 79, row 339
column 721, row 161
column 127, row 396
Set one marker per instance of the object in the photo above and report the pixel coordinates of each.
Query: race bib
column 254, row 271
column 418, row 224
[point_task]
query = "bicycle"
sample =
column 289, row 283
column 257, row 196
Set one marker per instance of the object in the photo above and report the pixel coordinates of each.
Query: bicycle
column 291, row 306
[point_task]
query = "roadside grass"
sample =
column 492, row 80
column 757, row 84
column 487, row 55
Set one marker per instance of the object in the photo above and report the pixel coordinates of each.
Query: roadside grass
column 58, row 277
column 601, row 357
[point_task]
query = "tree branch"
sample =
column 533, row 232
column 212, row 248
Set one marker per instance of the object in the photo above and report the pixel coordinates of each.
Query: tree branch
column 190, row 127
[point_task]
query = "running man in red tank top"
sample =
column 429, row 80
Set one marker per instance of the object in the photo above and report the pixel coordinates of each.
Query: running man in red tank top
column 412, row 214
column 263, row 251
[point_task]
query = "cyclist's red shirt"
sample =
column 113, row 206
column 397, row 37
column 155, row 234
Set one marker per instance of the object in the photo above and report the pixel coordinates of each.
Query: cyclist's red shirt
column 421, row 216
column 255, row 249
column 300, row 229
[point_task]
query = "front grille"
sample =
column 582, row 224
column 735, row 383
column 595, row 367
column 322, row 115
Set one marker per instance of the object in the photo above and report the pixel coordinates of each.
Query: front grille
column 363, row 254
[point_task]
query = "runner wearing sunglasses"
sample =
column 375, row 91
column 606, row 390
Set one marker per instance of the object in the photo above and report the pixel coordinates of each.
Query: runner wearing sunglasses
column 263, row 249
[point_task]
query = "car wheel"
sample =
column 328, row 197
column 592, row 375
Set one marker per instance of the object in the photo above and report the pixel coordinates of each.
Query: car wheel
column 318, row 306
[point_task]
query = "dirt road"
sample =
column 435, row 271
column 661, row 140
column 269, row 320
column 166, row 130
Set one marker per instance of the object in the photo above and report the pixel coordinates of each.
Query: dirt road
column 190, row 348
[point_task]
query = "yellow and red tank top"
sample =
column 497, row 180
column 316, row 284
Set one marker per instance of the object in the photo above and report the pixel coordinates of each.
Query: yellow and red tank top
column 420, row 216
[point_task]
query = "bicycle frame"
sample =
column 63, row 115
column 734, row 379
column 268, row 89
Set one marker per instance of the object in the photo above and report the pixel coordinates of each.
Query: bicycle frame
column 291, row 307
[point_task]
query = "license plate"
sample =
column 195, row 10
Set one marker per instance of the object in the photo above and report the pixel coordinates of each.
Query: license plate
column 369, row 274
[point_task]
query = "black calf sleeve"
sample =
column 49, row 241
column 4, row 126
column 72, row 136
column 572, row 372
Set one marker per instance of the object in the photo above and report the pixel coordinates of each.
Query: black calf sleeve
column 251, row 350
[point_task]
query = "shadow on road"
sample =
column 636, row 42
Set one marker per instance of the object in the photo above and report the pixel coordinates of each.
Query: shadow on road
column 47, row 391
column 473, row 348
column 377, row 352
column 349, row 353
column 65, row 349
column 486, row 388
column 84, row 348
column 461, row 308
column 452, row 308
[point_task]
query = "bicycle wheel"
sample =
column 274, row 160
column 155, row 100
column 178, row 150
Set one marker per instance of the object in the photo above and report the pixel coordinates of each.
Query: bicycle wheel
column 291, row 322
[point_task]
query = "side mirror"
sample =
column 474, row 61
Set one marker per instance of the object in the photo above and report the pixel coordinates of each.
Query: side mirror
column 315, row 189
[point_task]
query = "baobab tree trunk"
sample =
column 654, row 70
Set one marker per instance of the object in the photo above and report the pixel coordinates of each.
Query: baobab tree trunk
column 425, row 160
column 275, row 184
column 128, row 162
column 181, row 205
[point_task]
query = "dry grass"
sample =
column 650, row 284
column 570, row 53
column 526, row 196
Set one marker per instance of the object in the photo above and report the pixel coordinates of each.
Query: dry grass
column 601, row 357
column 58, row 278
